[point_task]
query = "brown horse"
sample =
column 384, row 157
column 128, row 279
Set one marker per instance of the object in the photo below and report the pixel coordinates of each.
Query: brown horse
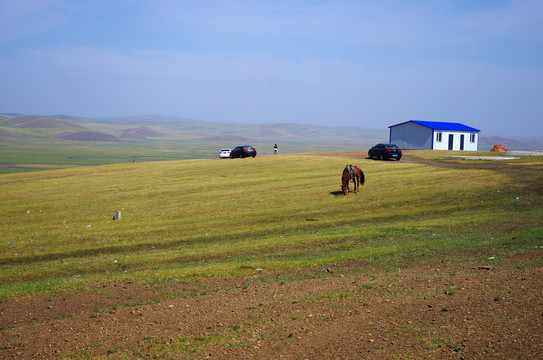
column 354, row 173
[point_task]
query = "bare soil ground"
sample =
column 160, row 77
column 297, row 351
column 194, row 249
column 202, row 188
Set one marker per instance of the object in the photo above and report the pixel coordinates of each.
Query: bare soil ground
column 423, row 309
column 432, row 310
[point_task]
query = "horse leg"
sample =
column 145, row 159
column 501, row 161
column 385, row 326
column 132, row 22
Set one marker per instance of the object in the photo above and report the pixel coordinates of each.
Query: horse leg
column 357, row 184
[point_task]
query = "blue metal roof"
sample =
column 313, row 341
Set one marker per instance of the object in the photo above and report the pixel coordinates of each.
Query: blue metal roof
column 440, row 125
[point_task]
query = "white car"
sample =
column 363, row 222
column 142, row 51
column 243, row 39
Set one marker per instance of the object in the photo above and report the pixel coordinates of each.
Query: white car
column 224, row 153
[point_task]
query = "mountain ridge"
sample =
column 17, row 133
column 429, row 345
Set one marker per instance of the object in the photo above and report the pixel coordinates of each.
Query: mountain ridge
column 146, row 127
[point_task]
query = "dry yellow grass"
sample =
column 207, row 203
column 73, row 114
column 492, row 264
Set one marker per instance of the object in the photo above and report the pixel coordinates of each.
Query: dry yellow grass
column 209, row 217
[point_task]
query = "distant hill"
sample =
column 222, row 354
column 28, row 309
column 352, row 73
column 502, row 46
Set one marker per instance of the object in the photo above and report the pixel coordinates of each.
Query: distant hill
column 19, row 119
column 88, row 136
column 172, row 128
column 141, row 128
column 510, row 143
column 8, row 134
column 37, row 122
column 227, row 139
column 141, row 133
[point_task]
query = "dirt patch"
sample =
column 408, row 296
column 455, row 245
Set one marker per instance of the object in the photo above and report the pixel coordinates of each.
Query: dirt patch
column 417, row 160
column 434, row 310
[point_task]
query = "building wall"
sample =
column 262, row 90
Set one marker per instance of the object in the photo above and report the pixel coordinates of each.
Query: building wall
column 411, row 136
column 444, row 143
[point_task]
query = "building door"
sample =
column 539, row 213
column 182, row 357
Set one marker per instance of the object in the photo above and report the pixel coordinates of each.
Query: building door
column 451, row 141
column 462, row 142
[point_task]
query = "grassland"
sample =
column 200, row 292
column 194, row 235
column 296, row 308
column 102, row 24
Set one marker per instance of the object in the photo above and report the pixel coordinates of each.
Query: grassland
column 17, row 155
column 216, row 218
column 33, row 143
column 265, row 258
column 24, row 156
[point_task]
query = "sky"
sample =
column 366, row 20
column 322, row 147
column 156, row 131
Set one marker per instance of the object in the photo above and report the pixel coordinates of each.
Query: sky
column 370, row 64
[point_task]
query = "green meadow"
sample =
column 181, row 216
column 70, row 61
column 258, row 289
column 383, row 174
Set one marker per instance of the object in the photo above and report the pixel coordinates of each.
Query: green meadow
column 23, row 156
column 188, row 219
column 18, row 155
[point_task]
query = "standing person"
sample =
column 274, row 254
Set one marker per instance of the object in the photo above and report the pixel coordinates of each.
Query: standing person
column 275, row 149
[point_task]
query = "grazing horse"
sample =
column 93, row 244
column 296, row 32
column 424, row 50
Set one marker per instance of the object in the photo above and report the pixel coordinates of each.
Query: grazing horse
column 354, row 173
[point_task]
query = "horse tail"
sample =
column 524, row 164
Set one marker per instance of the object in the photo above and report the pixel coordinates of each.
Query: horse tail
column 362, row 177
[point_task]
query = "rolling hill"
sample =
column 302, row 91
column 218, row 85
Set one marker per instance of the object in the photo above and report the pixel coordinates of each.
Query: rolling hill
column 169, row 128
column 4, row 133
column 34, row 142
column 141, row 133
column 33, row 126
column 37, row 122
column 88, row 135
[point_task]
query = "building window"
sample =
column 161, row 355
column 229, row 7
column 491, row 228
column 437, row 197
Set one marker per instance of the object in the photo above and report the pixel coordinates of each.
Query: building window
column 471, row 138
column 439, row 137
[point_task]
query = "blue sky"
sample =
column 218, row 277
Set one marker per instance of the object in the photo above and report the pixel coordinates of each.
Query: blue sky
column 334, row 63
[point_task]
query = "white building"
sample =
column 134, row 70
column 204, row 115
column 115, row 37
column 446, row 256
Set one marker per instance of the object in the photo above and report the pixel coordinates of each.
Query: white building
column 434, row 135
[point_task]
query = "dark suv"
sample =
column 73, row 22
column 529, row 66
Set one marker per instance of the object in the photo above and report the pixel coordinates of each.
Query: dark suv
column 385, row 151
column 243, row 152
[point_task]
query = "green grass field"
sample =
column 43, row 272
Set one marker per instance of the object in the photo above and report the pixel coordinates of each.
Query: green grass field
column 186, row 219
column 18, row 155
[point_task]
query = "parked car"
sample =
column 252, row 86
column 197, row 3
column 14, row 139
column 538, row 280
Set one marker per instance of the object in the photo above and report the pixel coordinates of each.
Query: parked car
column 385, row 151
column 224, row 153
column 243, row 152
